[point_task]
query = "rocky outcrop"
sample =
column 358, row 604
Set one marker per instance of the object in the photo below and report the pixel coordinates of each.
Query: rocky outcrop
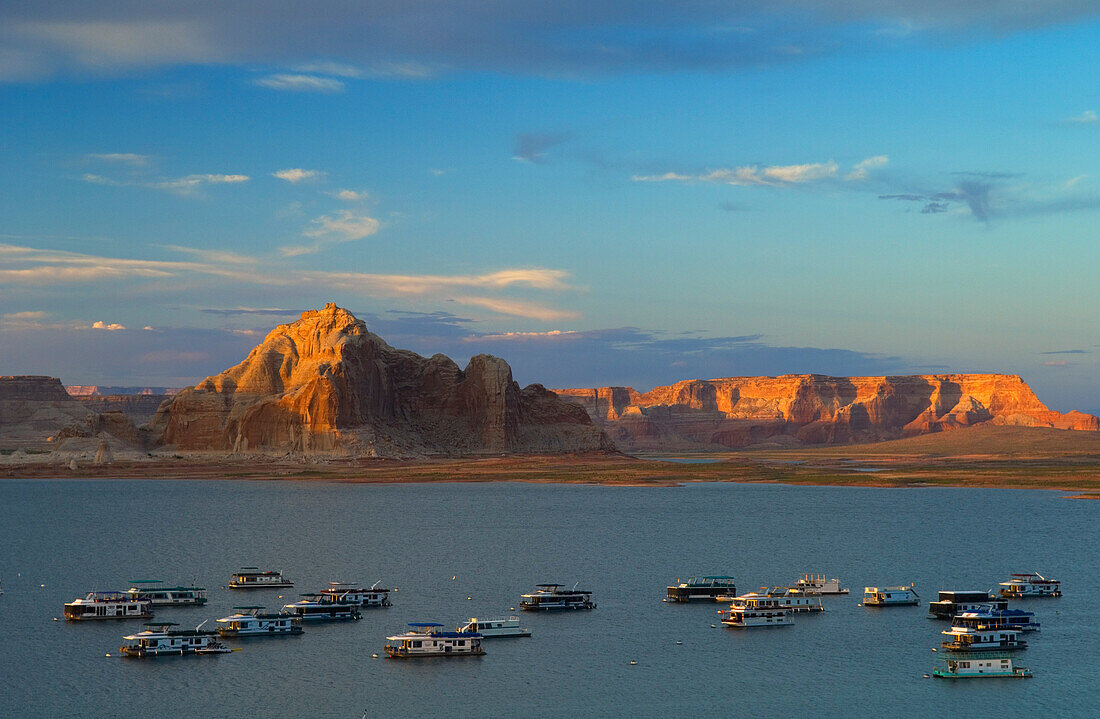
column 36, row 410
column 138, row 408
column 325, row 384
column 813, row 409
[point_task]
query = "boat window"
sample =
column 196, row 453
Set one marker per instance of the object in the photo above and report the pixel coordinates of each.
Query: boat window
column 417, row 643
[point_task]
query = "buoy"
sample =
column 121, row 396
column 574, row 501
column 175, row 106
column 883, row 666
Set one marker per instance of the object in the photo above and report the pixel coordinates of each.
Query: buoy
column 933, row 649
column 925, row 676
column 511, row 609
column 55, row 619
column 108, row 655
column 469, row 597
column 373, row 656
column 678, row 641
column 712, row 626
column 453, row 578
column 664, row 600
column 42, row 585
column 859, row 605
column 632, row 662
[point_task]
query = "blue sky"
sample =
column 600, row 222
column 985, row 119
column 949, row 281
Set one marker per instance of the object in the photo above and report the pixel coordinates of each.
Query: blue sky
column 602, row 193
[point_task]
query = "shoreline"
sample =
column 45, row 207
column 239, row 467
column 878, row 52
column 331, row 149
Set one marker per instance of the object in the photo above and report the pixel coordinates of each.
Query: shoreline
column 1078, row 474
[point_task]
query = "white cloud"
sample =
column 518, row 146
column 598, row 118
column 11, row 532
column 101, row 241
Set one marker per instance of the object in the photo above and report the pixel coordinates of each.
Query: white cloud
column 518, row 308
column 180, row 185
column 860, row 170
column 112, row 327
column 350, row 195
column 437, row 172
column 128, row 158
column 296, row 174
column 402, row 285
column 772, row 175
column 344, row 226
column 301, row 83
column 218, row 256
column 508, row 336
column 322, row 67
column 1088, row 117
column 29, row 315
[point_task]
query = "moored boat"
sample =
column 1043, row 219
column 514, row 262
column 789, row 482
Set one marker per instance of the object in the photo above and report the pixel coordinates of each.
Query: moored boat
column 987, row 617
column 351, row 593
column 314, row 608
column 968, row 639
column 989, row 666
column 707, row 588
column 757, row 610
column 159, row 638
column 818, row 583
column 552, row 597
column 427, row 639
column 108, row 605
column 952, row 603
column 489, row 628
column 902, row 595
column 255, row 578
column 1028, row 585
column 160, row 596
column 251, row 621
column 783, row 597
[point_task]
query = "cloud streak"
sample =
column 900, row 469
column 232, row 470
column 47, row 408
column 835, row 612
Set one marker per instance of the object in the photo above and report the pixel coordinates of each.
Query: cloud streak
column 770, row 175
column 301, row 83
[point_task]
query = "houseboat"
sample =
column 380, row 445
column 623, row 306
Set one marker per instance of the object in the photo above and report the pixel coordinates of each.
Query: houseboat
column 757, row 610
column 818, row 584
column 350, row 593
column 108, row 605
column 968, row 639
column 783, row 597
column 890, row 596
column 250, row 621
column 427, row 639
column 986, row 617
column 952, row 603
column 159, row 638
column 701, row 589
column 1032, row 584
column 315, row 608
column 489, row 628
column 255, row 578
column 552, row 596
column 167, row 596
column 990, row 666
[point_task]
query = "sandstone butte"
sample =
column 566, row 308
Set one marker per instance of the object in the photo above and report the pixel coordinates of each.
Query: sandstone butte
column 325, row 384
column 812, row 409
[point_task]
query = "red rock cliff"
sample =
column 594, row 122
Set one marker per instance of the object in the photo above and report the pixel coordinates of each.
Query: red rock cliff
column 813, row 409
column 326, row 384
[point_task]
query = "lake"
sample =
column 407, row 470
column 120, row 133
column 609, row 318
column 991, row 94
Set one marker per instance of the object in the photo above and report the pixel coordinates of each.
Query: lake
column 63, row 538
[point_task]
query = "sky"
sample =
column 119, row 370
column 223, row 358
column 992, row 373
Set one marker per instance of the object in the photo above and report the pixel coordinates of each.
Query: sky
column 601, row 192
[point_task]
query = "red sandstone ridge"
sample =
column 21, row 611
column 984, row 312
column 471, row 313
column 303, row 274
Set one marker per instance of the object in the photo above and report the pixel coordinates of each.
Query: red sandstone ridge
column 813, row 409
column 326, row 384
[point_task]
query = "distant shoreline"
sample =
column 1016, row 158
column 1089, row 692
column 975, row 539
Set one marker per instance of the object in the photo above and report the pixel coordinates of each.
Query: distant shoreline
column 1080, row 475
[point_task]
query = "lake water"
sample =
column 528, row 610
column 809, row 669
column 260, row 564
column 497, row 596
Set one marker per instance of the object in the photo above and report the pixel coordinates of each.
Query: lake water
column 626, row 544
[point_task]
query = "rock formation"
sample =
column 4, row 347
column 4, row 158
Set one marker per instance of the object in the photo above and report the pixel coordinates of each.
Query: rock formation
column 812, row 409
column 324, row 384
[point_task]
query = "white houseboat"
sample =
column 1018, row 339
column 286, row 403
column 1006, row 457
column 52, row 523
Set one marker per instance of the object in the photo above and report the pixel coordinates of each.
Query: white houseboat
column 1031, row 584
column 427, row 639
column 701, row 589
column 159, row 638
column 990, row 666
column 890, row 596
column 250, row 621
column 784, row 597
column 489, row 628
column 968, row 639
column 757, row 610
column 351, row 593
column 952, row 603
column 255, row 578
column 315, row 608
column 817, row 583
column 552, row 596
column 108, row 605
column 160, row 596
column 986, row 617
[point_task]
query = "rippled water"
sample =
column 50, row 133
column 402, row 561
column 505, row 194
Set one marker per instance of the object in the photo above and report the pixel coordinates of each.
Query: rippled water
column 624, row 543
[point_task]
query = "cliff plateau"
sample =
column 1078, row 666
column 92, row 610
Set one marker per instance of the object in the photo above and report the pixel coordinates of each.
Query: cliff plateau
column 812, row 409
column 325, row 384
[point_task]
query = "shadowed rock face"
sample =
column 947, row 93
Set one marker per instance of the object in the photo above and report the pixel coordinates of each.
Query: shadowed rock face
column 813, row 409
column 326, row 384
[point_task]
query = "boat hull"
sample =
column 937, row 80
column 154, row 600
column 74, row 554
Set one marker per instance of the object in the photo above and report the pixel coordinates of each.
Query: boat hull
column 1019, row 673
column 245, row 634
column 396, row 653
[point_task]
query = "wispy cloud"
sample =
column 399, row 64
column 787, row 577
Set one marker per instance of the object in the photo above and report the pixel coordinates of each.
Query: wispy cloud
column 1088, row 117
column 518, row 308
column 772, row 175
column 217, row 256
column 863, row 167
column 344, row 226
column 295, row 175
column 180, row 185
column 350, row 195
column 533, row 146
column 1056, row 363
column 301, row 83
column 128, row 158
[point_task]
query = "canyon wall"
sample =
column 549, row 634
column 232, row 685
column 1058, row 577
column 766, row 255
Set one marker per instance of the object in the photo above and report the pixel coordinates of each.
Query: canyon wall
column 812, row 409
